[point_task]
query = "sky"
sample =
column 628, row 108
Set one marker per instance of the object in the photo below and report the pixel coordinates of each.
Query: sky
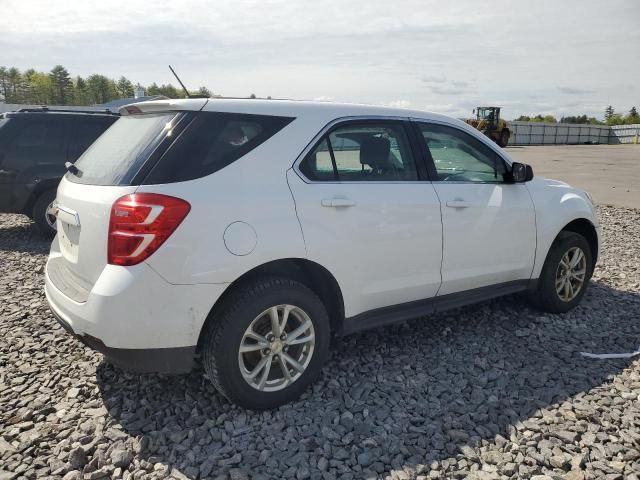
column 556, row 57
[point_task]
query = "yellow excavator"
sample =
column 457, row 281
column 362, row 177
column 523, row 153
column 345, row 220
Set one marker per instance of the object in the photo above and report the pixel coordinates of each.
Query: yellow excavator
column 488, row 121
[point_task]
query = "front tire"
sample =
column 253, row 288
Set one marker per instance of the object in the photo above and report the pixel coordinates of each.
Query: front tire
column 45, row 223
column 266, row 343
column 565, row 274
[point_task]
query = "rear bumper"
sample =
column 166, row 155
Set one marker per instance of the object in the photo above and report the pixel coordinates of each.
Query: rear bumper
column 138, row 360
column 135, row 318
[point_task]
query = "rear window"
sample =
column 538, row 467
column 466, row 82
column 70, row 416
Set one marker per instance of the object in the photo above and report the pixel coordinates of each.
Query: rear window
column 172, row 147
column 117, row 155
column 84, row 131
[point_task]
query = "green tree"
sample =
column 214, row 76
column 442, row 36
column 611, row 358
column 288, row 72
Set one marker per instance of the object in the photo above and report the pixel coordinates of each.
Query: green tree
column 632, row 117
column 574, row 119
column 40, row 88
column 62, row 87
column 12, row 85
column 153, row 89
column 609, row 112
column 100, row 89
column 4, row 85
column 580, row 119
column 124, row 87
column 171, row 91
column 615, row 119
column 80, row 92
column 168, row 90
column 538, row 118
column 204, row 92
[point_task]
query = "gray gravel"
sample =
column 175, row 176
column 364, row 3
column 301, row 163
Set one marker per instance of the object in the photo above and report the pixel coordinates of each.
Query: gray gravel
column 491, row 391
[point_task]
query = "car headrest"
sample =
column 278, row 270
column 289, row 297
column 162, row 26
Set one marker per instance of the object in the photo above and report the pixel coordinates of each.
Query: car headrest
column 374, row 152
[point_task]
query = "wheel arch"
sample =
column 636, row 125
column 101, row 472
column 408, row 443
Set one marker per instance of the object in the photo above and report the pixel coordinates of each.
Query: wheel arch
column 309, row 273
column 588, row 230
column 39, row 189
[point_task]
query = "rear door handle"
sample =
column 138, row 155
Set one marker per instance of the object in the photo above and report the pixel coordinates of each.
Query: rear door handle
column 458, row 204
column 337, row 202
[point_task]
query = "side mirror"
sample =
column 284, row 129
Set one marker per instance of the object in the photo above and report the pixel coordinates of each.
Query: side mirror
column 521, row 172
column 474, row 111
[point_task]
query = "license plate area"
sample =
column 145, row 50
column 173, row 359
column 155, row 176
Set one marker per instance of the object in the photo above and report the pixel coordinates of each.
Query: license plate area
column 68, row 234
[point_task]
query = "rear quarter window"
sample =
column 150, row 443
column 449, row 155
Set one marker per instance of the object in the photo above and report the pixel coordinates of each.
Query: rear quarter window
column 211, row 142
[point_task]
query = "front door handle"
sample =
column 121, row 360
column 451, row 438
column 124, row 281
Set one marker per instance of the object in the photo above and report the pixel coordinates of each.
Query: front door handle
column 458, row 204
column 337, row 202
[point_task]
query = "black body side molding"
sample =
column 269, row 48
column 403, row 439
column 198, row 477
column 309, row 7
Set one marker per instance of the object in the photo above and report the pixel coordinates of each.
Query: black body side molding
column 407, row 311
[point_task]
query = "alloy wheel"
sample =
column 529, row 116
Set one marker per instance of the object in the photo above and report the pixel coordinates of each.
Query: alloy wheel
column 50, row 217
column 571, row 274
column 276, row 348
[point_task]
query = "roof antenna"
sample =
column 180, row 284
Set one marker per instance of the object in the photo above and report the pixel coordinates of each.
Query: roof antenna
column 180, row 82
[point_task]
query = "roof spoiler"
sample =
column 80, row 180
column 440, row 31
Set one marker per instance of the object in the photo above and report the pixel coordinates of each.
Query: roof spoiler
column 45, row 108
column 159, row 106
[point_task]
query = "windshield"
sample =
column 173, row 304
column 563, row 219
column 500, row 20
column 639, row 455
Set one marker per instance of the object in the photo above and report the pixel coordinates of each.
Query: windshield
column 485, row 113
column 119, row 153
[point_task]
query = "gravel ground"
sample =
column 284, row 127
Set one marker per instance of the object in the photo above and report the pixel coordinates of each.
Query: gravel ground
column 497, row 390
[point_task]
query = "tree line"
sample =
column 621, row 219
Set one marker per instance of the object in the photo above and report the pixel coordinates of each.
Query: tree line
column 610, row 118
column 57, row 87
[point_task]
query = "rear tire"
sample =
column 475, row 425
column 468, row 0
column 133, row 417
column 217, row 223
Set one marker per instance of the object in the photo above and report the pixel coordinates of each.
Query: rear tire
column 504, row 138
column 245, row 320
column 552, row 293
column 45, row 224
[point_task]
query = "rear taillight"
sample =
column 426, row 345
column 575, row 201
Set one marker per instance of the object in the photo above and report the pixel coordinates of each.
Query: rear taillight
column 140, row 223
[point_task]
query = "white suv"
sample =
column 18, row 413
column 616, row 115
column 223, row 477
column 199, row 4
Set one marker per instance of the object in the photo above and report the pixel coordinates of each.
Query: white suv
column 246, row 232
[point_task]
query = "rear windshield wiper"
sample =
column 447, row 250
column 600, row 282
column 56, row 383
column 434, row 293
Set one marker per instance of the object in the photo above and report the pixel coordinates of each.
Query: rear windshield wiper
column 72, row 169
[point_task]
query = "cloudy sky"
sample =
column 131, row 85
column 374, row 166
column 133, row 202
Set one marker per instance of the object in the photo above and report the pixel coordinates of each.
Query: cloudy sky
column 543, row 56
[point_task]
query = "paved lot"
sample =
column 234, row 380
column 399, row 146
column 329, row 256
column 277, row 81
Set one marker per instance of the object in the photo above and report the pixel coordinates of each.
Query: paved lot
column 494, row 391
column 610, row 173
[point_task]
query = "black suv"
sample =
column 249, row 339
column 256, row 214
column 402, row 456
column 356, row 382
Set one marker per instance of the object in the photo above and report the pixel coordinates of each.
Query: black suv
column 35, row 144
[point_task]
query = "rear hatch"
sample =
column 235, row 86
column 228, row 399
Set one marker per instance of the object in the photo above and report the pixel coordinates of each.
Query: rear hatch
column 109, row 169
column 152, row 144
